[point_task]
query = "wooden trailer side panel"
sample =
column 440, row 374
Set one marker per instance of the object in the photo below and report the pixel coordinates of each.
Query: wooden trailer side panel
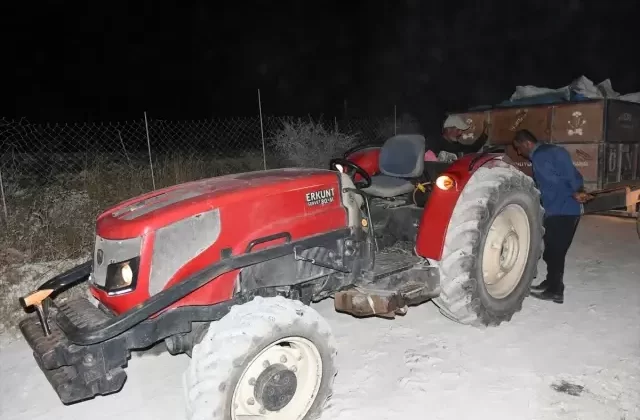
column 602, row 137
column 578, row 127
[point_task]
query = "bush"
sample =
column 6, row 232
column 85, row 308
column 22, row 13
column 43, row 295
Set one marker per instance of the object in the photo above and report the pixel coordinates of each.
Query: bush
column 56, row 221
column 309, row 144
column 50, row 227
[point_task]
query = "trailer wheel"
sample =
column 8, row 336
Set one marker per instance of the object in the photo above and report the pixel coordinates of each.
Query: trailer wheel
column 492, row 247
column 272, row 358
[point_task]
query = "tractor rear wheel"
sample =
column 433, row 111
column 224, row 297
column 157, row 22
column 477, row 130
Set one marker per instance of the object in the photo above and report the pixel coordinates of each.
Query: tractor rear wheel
column 492, row 247
column 271, row 358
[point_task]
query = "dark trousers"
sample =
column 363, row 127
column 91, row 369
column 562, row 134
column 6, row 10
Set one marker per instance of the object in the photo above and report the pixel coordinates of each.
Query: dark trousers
column 558, row 235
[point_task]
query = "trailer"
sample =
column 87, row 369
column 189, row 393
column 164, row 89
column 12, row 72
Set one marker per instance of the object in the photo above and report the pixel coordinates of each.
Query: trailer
column 602, row 136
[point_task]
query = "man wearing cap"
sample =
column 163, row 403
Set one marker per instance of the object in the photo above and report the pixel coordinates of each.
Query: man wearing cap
column 452, row 130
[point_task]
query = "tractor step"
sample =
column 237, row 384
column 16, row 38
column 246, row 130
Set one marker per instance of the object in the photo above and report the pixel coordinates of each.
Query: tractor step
column 397, row 281
column 388, row 263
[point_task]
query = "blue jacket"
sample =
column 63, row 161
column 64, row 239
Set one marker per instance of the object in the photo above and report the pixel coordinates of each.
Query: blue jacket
column 557, row 178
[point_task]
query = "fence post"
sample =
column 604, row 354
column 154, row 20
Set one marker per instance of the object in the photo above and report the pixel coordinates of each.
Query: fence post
column 4, row 201
column 146, row 125
column 395, row 121
column 264, row 149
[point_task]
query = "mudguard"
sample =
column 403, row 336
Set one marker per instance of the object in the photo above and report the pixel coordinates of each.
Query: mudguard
column 441, row 203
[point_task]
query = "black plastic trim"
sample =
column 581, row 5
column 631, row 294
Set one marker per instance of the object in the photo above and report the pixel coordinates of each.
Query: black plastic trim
column 265, row 239
column 135, row 267
column 85, row 336
column 77, row 274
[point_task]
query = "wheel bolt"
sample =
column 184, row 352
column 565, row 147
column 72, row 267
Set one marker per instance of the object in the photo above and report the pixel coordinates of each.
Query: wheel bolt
column 294, row 368
column 283, row 359
column 251, row 401
column 262, row 411
column 252, row 381
column 265, row 364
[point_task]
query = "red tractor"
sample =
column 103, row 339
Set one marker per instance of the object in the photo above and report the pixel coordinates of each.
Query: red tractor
column 224, row 269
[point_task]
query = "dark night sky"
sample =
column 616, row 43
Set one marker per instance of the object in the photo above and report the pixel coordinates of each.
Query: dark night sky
column 197, row 59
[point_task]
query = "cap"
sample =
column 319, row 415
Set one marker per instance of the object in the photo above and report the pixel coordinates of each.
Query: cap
column 454, row 121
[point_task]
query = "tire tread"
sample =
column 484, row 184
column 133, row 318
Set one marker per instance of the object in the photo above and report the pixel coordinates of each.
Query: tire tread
column 459, row 299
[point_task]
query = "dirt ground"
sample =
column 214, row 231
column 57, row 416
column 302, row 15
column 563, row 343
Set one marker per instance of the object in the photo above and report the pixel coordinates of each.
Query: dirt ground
column 579, row 360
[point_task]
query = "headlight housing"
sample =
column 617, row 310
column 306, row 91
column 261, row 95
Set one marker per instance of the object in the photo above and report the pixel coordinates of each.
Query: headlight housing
column 122, row 276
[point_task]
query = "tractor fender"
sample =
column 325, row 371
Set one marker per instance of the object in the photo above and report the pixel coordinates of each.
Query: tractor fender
column 440, row 205
column 367, row 158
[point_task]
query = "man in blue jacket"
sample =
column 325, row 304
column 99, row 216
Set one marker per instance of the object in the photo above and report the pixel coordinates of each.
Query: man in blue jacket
column 562, row 193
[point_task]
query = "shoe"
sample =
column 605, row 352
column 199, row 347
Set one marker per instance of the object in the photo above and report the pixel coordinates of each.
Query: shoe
column 547, row 295
column 540, row 287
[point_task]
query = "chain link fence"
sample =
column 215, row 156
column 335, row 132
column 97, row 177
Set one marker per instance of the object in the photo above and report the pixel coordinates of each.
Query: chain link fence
column 56, row 178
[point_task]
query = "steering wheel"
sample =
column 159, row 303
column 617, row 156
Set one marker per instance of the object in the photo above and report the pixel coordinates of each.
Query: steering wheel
column 355, row 169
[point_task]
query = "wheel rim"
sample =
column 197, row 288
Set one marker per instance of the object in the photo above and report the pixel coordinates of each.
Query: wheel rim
column 281, row 382
column 505, row 251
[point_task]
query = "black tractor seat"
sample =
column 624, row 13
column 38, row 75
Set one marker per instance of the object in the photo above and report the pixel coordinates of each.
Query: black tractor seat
column 401, row 163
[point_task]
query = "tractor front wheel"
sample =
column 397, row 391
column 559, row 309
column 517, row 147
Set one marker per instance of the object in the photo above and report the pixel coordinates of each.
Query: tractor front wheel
column 271, row 358
column 492, row 247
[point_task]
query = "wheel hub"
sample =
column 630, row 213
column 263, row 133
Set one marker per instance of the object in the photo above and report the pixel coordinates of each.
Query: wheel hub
column 275, row 387
column 506, row 250
column 279, row 383
column 509, row 251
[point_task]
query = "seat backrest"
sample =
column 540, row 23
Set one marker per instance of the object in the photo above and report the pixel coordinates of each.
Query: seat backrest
column 402, row 156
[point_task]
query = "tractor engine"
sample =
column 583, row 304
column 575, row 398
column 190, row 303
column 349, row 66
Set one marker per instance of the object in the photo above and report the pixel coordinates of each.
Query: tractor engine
column 148, row 244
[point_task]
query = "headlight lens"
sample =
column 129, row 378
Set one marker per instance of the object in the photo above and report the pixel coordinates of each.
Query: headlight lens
column 122, row 276
column 445, row 182
column 126, row 273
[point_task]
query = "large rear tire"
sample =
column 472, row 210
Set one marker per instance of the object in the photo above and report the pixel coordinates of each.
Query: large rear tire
column 272, row 358
column 492, row 247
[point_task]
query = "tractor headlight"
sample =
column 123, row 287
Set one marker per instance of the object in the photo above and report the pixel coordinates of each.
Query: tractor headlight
column 445, row 182
column 122, row 276
column 126, row 274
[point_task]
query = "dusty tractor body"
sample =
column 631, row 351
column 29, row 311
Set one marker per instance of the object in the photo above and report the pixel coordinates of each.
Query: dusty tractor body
column 224, row 269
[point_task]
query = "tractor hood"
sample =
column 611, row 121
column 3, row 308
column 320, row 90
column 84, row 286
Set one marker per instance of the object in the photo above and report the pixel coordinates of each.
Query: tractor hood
column 159, row 208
